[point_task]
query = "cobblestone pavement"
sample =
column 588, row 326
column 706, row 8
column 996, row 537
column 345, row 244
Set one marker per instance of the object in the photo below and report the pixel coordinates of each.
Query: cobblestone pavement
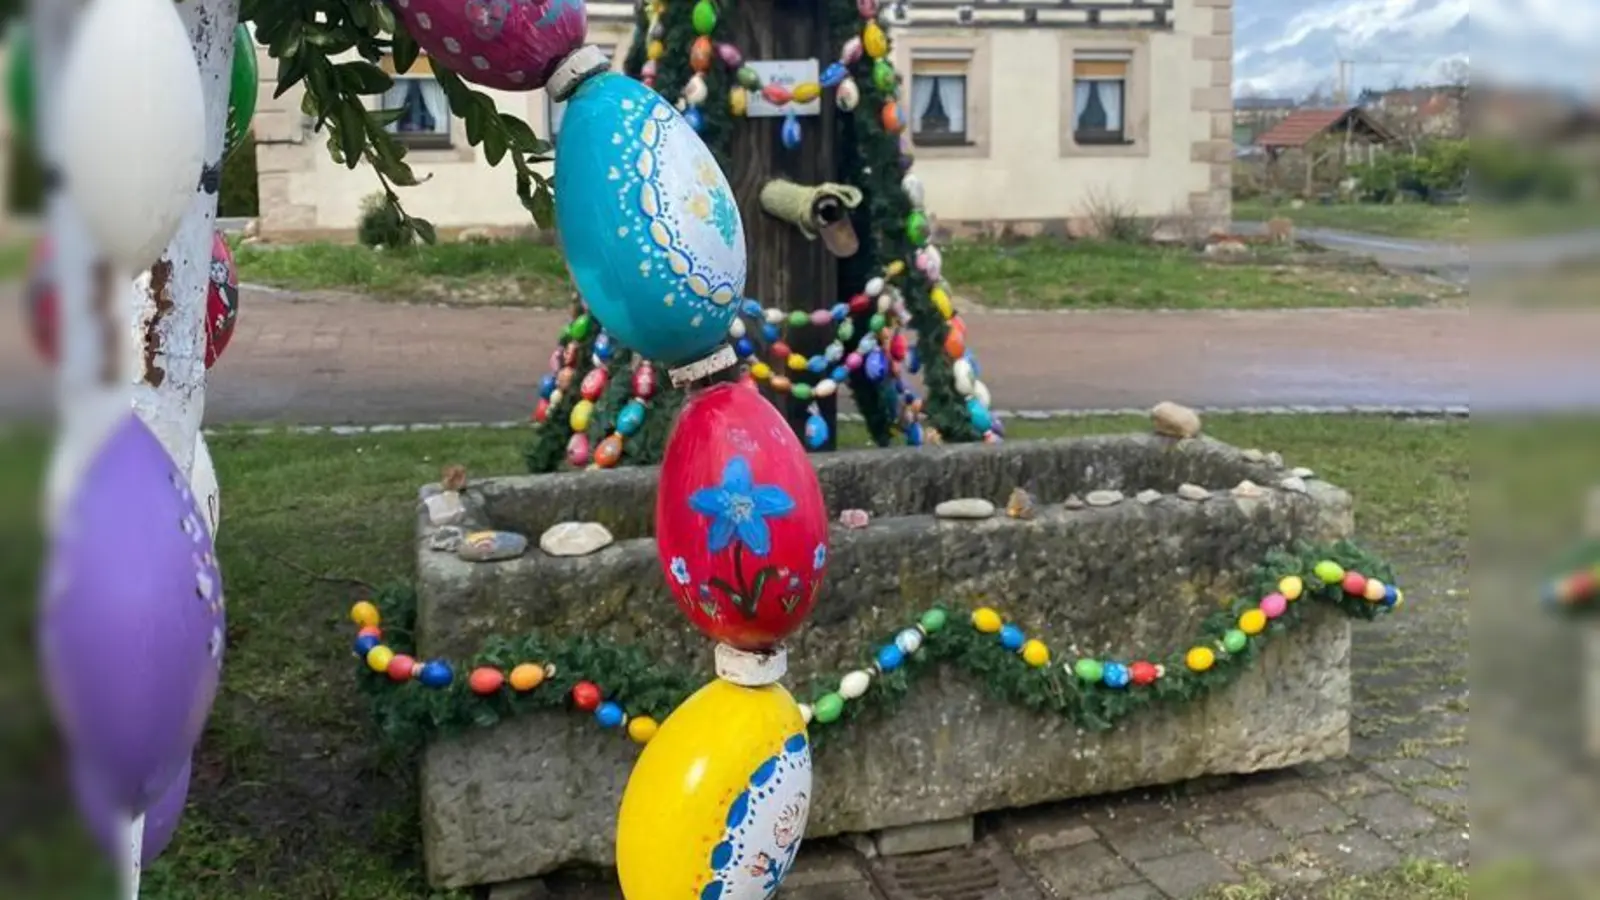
column 320, row 361
column 1401, row 795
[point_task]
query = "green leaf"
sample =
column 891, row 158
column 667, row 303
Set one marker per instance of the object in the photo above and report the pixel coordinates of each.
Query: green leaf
column 542, row 204
column 521, row 135
column 364, row 77
column 425, row 231
column 404, row 50
column 352, row 119
column 495, row 146
column 291, row 71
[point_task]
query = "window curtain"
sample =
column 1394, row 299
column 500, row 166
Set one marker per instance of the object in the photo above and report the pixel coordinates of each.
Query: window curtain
column 943, row 95
column 427, row 111
column 1098, row 103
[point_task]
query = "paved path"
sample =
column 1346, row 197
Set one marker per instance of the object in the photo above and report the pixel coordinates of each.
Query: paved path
column 363, row 362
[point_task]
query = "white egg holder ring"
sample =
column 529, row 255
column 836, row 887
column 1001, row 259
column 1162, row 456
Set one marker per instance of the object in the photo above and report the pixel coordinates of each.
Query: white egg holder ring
column 751, row 668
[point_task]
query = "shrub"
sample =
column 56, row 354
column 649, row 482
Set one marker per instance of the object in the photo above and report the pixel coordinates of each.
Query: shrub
column 240, row 195
column 381, row 225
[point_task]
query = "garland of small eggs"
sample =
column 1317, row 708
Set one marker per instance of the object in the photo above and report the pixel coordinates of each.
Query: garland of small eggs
column 489, row 681
column 1576, row 590
column 608, row 452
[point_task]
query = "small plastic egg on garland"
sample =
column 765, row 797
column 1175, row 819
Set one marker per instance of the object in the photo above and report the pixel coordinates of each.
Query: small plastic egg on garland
column 912, row 185
column 609, row 715
column 527, row 676
column 1115, row 675
column 485, row 681
column 365, row 614
column 892, row 122
column 883, row 76
column 609, row 451
column 1011, row 637
column 1143, row 673
column 851, row 51
column 579, row 418
column 806, row 91
column 701, row 54
column 930, row 262
column 1036, row 654
column 154, row 104
column 642, row 729
column 695, row 90
column 1291, row 587
column 873, row 40
column 789, row 132
column 704, row 17
column 379, row 657
column 816, row 431
column 1274, row 605
column 986, row 620
column 835, row 73
column 402, row 668
column 1200, row 659
column 1354, row 584
column 1375, row 590
column 867, row 9
column 586, row 696
column 578, row 449
column 933, row 621
column 1252, row 621
column 890, row 657
column 847, row 96
column 748, row 77
column 1088, row 671
column 980, row 393
column 829, row 708
column 1234, row 640
column 436, row 673
column 854, row 684
column 1328, row 572
column 916, row 224
column 909, row 641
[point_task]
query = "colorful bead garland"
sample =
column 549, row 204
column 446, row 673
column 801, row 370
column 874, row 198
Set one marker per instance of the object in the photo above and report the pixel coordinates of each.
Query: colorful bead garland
column 486, row 681
column 563, row 369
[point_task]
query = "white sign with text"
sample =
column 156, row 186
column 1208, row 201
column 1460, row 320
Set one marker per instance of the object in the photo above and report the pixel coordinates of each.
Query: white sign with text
column 787, row 72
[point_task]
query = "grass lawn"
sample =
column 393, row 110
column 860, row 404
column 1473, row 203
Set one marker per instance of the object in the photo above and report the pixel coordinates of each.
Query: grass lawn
column 1054, row 274
column 1037, row 274
column 293, row 799
column 1405, row 220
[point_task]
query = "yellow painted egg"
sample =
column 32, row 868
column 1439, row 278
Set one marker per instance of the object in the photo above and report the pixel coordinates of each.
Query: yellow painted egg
column 738, row 103
column 1291, row 587
column 760, row 371
column 1375, row 590
column 718, row 801
column 365, row 614
column 986, row 620
column 1200, row 658
column 941, row 302
column 642, row 729
column 874, row 41
column 579, row 420
column 807, row 91
column 379, row 657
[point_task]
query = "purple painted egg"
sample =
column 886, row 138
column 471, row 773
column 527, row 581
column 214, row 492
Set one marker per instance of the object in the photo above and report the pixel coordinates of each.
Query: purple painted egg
column 104, row 823
column 131, row 620
column 512, row 45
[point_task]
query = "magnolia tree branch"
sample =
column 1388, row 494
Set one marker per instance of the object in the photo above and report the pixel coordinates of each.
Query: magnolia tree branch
column 169, row 387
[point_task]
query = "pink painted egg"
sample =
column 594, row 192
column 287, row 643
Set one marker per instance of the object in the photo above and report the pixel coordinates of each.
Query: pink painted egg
column 511, row 45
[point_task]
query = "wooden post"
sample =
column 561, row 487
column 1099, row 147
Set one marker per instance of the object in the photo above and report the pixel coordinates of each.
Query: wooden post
column 787, row 269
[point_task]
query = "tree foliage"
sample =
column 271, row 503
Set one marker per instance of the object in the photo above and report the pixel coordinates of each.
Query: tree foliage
column 334, row 48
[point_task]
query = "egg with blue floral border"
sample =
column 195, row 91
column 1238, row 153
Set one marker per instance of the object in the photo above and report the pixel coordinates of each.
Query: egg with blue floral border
column 718, row 802
column 649, row 224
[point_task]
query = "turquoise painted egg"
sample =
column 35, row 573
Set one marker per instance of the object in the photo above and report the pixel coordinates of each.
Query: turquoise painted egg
column 651, row 229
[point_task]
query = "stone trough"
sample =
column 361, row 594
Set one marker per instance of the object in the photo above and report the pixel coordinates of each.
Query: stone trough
column 539, row 792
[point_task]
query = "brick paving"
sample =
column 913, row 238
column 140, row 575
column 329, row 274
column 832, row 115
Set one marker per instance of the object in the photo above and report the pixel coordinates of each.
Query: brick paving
column 1401, row 795
column 351, row 361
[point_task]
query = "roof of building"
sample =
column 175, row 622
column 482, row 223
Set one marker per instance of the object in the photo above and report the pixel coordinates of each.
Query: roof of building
column 1303, row 125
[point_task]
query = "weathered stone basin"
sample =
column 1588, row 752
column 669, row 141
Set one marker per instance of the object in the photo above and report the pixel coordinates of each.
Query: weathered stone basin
column 539, row 792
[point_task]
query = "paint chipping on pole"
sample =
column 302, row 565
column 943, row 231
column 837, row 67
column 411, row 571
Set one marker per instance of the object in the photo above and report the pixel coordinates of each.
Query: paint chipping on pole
column 160, row 277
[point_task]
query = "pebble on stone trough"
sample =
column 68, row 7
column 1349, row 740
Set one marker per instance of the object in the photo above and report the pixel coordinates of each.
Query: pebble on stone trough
column 1148, row 496
column 854, row 518
column 1275, row 459
column 1293, row 483
column 1104, row 498
column 575, row 538
column 964, row 508
column 445, row 508
column 1248, row 488
column 492, row 546
column 1174, row 420
column 1252, row 455
column 1301, row 472
column 1073, row 501
column 1192, row 492
column 1021, row 505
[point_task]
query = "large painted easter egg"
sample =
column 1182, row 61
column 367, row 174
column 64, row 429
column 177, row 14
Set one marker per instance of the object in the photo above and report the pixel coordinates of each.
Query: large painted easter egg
column 131, row 626
column 717, row 804
column 222, row 301
column 104, row 821
column 512, row 45
column 649, row 224
column 741, row 528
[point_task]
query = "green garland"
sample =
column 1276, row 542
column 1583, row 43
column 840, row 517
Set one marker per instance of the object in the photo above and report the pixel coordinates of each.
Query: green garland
column 411, row 713
column 547, row 450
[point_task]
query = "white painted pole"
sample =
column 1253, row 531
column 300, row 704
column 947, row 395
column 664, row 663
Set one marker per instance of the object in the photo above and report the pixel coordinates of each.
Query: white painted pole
column 170, row 384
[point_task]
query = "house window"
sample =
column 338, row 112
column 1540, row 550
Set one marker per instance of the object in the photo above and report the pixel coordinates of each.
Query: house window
column 424, row 120
column 1099, row 98
column 939, row 101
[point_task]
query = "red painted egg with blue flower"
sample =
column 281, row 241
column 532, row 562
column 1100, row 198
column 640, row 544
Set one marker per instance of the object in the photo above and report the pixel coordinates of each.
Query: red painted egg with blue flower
column 512, row 45
column 741, row 528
